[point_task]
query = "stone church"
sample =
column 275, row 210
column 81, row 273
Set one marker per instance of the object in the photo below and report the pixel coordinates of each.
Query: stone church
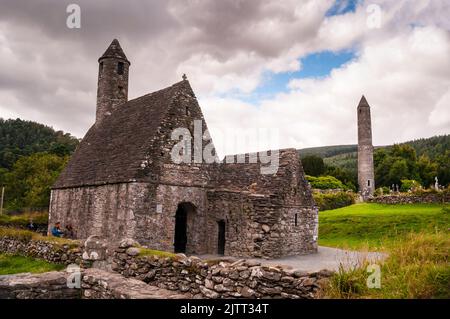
column 121, row 182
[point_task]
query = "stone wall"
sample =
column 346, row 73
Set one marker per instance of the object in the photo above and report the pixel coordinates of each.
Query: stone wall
column 49, row 285
column 99, row 284
column 175, row 274
column 107, row 211
column 52, row 252
column 214, row 279
column 428, row 198
column 94, row 284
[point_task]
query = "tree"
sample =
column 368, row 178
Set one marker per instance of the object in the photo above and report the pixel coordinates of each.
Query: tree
column 398, row 171
column 443, row 171
column 349, row 178
column 20, row 138
column 427, row 170
column 313, row 165
column 28, row 183
column 325, row 182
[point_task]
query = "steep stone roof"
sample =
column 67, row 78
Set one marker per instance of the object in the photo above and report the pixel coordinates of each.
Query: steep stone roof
column 363, row 102
column 114, row 51
column 113, row 150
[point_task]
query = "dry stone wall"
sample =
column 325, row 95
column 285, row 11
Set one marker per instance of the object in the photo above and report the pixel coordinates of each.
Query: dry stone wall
column 93, row 284
column 426, row 198
column 174, row 275
column 52, row 252
column 221, row 279
column 50, row 285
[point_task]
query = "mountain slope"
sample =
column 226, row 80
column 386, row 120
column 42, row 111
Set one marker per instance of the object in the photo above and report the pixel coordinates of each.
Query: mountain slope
column 20, row 138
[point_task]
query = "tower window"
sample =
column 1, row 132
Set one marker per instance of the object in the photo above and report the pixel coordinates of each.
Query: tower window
column 368, row 182
column 101, row 67
column 120, row 68
column 295, row 220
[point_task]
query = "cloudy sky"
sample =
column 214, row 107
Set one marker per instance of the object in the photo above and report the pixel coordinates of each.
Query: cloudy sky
column 297, row 68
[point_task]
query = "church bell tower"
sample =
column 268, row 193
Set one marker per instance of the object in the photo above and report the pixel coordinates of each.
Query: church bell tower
column 112, row 88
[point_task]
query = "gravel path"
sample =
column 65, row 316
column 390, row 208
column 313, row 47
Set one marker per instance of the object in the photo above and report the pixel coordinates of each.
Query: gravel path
column 325, row 258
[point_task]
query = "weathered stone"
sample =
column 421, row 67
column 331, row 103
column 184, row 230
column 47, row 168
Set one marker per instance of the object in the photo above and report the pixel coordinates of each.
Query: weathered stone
column 228, row 282
column 133, row 251
column 246, row 292
column 217, row 279
column 208, row 293
column 275, row 276
column 209, row 284
column 222, row 288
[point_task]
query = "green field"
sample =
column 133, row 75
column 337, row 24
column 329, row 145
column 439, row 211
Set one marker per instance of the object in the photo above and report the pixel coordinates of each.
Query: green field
column 375, row 225
column 13, row 264
column 415, row 238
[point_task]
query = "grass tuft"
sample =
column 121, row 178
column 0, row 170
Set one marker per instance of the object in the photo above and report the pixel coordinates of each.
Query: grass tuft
column 417, row 267
column 159, row 253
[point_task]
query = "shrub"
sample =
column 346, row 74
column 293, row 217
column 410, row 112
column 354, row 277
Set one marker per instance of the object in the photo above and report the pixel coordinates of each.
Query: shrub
column 334, row 200
column 325, row 182
column 409, row 185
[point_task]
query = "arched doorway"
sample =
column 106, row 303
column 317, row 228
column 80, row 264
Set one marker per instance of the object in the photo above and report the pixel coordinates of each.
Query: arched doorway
column 181, row 226
column 221, row 237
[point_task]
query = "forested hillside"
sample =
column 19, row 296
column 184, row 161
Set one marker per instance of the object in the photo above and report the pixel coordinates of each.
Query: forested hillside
column 432, row 147
column 31, row 157
column 420, row 160
column 20, row 138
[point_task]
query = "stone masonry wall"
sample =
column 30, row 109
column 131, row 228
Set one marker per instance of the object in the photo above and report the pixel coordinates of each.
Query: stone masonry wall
column 174, row 275
column 49, row 285
column 108, row 211
column 94, row 284
column 429, row 198
column 52, row 252
column 201, row 279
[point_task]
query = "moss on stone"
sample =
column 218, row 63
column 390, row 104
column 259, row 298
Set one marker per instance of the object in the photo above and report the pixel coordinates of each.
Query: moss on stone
column 159, row 253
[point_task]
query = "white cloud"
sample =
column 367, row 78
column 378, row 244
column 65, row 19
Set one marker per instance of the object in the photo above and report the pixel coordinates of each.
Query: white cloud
column 226, row 48
column 404, row 79
column 440, row 116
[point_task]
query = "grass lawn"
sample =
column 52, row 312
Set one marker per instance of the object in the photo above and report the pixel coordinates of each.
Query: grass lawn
column 13, row 264
column 414, row 236
column 377, row 226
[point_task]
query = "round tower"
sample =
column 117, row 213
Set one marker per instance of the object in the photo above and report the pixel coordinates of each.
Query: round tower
column 112, row 87
column 366, row 176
